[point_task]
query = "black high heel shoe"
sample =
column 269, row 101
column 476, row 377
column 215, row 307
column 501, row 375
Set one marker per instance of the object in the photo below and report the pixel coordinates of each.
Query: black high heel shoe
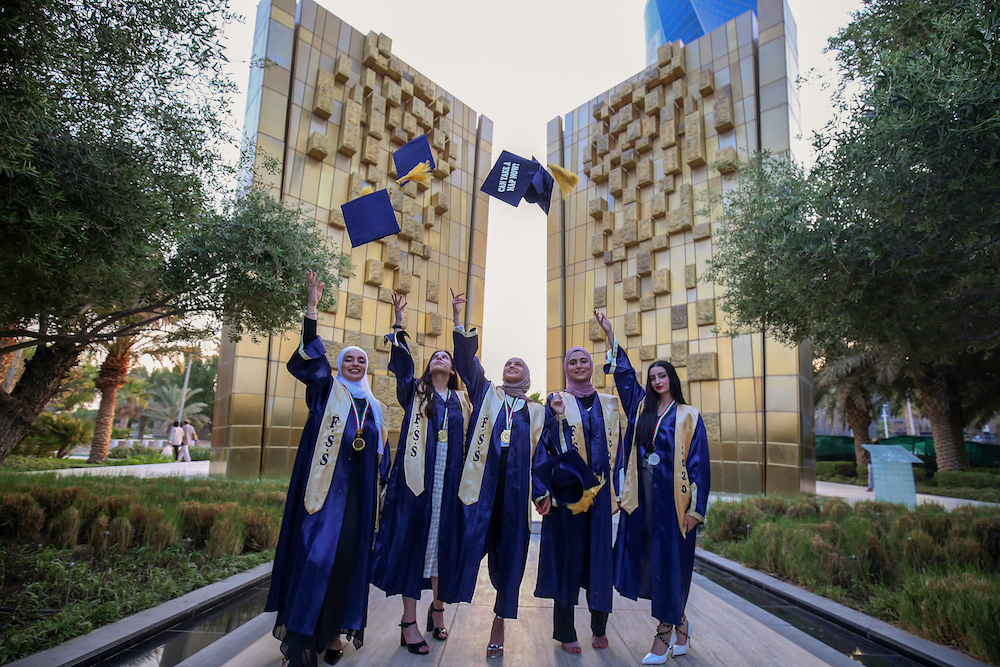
column 332, row 656
column 439, row 634
column 412, row 648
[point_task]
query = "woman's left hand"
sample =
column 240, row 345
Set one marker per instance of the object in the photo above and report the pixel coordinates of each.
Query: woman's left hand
column 544, row 505
column 556, row 403
column 690, row 523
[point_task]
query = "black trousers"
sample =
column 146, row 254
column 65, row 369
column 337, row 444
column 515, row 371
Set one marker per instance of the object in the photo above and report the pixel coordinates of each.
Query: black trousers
column 563, row 629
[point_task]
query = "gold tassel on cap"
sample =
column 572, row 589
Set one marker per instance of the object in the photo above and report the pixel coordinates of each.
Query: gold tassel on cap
column 420, row 174
column 584, row 503
column 566, row 179
column 367, row 190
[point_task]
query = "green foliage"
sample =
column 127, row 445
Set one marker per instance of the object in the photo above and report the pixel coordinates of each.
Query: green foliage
column 126, row 552
column 931, row 571
column 54, row 435
column 76, row 390
column 967, row 479
column 825, row 469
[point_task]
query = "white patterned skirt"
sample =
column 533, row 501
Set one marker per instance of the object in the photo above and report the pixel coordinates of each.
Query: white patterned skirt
column 437, row 490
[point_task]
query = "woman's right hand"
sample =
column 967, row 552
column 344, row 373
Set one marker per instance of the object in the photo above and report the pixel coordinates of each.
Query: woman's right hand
column 456, row 305
column 314, row 292
column 605, row 323
column 398, row 307
column 556, row 403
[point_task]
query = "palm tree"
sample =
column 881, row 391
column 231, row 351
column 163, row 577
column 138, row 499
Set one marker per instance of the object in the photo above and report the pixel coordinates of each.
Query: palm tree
column 133, row 398
column 121, row 354
column 165, row 403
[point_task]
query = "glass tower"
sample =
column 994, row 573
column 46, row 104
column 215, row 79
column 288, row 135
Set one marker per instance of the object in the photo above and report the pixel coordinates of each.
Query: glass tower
column 686, row 20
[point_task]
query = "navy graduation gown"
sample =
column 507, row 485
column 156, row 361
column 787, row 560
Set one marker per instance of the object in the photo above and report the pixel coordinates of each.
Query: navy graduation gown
column 509, row 554
column 653, row 560
column 308, row 543
column 402, row 539
column 563, row 568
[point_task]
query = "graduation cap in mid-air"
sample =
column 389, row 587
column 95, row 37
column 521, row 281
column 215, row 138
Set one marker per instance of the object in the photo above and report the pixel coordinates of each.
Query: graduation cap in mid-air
column 369, row 217
column 570, row 480
column 414, row 161
column 514, row 178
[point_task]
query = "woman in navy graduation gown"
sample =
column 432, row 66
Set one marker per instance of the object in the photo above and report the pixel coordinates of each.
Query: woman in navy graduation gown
column 421, row 527
column 664, row 495
column 575, row 550
column 322, row 565
column 496, row 483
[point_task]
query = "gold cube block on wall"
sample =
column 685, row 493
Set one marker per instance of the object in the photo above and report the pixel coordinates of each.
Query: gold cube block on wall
column 440, row 202
column 373, row 272
column 598, row 244
column 628, row 159
column 659, row 242
column 647, row 352
column 703, row 366
column 608, row 222
column 678, row 60
column 667, row 184
column 645, row 229
column 643, row 263
column 690, row 276
column 647, row 303
column 702, row 230
column 633, row 324
column 630, row 195
column 630, row 232
column 661, row 281
column 722, row 109
column 433, row 325
column 679, row 316
column 323, row 99
column 403, row 281
column 336, row 218
column 355, row 306
column 706, row 81
column 350, row 140
column 318, row 146
column 679, row 354
column 713, row 426
column 672, row 160
column 432, row 291
column 385, row 295
column 600, row 297
column 594, row 331
column 597, row 207
column 644, row 172
column 658, row 205
column 631, row 288
column 370, row 150
column 391, row 253
column 704, row 311
column 342, row 69
column 694, row 139
column 668, row 127
column 618, row 255
column 616, row 181
column 727, row 161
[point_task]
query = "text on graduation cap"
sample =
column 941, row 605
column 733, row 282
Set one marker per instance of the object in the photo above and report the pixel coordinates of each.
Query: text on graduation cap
column 508, row 177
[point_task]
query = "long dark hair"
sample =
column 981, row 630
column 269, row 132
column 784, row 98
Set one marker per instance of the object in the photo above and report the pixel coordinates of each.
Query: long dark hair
column 651, row 403
column 426, row 387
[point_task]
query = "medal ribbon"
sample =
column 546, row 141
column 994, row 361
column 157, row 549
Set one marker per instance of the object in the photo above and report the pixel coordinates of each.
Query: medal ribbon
column 444, row 420
column 507, row 403
column 660, row 421
column 360, row 421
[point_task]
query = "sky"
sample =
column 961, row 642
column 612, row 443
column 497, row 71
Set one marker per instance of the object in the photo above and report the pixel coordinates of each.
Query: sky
column 521, row 63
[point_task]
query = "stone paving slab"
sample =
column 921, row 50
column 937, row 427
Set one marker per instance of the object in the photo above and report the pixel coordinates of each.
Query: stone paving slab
column 722, row 635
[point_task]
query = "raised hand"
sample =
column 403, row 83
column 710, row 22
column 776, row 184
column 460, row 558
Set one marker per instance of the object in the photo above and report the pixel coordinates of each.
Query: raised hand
column 314, row 292
column 556, row 403
column 456, row 305
column 398, row 307
column 605, row 323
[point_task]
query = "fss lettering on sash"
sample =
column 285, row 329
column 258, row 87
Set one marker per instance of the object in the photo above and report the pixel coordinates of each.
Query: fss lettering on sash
column 416, row 433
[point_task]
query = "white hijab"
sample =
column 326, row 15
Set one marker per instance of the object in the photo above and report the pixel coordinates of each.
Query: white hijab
column 361, row 389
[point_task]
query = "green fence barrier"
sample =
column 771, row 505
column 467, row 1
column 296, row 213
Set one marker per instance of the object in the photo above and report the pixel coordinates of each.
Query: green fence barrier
column 841, row 448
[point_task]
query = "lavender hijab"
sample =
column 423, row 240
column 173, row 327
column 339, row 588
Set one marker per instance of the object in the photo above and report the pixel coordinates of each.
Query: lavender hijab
column 518, row 389
column 575, row 387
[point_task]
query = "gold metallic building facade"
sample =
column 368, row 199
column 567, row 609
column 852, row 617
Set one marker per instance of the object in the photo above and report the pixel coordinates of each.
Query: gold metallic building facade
column 636, row 237
column 332, row 104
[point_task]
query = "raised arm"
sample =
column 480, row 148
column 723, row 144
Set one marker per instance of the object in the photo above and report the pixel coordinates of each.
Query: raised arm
column 466, row 345
column 630, row 389
column 309, row 363
column 400, row 357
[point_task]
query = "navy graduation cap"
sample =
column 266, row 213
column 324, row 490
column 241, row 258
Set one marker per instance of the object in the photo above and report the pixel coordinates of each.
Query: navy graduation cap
column 570, row 480
column 414, row 161
column 514, row 178
column 369, row 218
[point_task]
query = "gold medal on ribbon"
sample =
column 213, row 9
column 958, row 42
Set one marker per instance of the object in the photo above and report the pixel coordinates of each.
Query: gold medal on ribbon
column 359, row 444
column 443, row 435
column 505, row 436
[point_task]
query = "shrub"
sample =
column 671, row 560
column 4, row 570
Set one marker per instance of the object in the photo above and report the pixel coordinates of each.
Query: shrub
column 830, row 468
column 803, row 507
column 64, row 530
column 20, row 516
column 770, row 506
column 121, row 534
column 54, row 435
column 200, row 453
column 729, row 521
column 836, row 509
column 197, row 519
column 161, row 534
column 953, row 479
column 261, row 530
column 97, row 536
column 225, row 537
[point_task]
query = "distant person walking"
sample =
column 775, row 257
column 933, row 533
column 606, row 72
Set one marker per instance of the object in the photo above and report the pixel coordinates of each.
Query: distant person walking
column 175, row 437
column 190, row 438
